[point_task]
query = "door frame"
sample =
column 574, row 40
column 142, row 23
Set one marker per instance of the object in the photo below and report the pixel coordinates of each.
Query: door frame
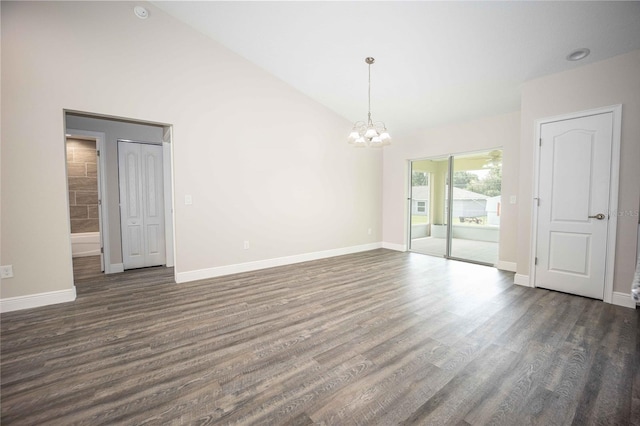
column 612, row 223
column 103, row 221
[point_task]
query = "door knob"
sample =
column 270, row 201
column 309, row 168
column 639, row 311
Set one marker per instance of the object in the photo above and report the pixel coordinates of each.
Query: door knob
column 599, row 216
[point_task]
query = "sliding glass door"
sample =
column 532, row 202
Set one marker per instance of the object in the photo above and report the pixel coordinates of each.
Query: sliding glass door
column 462, row 220
column 428, row 214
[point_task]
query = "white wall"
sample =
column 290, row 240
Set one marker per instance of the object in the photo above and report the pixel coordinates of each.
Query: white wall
column 114, row 130
column 262, row 162
column 482, row 134
column 609, row 82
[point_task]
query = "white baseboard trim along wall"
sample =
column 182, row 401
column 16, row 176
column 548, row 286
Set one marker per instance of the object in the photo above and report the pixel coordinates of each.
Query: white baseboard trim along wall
column 85, row 244
column 36, row 300
column 115, row 268
column 396, row 247
column 619, row 299
column 521, row 280
column 63, row 296
column 623, row 299
column 201, row 274
column 506, row 266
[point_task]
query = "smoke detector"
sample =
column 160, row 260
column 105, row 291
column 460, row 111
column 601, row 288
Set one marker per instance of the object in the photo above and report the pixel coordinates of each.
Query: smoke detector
column 578, row 54
column 141, row 12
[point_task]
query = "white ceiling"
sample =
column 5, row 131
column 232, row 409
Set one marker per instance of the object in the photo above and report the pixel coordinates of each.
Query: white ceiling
column 436, row 62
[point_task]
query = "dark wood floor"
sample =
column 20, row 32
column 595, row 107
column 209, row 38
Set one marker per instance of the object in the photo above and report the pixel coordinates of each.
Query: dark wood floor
column 379, row 337
column 87, row 267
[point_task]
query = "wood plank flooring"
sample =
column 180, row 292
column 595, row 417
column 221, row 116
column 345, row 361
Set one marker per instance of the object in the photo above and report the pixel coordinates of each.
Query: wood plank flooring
column 379, row 337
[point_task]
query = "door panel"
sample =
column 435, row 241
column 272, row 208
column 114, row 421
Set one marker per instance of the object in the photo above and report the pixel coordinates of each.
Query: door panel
column 569, row 252
column 133, row 182
column 571, row 190
column 130, row 208
column 142, row 204
column 154, row 205
column 427, row 206
column 476, row 196
column 575, row 158
column 152, row 246
column 135, row 242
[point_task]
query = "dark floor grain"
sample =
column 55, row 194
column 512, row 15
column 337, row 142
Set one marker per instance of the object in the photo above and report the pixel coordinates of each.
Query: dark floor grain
column 379, row 337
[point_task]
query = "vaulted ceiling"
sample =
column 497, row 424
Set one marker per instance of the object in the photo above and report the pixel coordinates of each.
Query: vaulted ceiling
column 436, row 62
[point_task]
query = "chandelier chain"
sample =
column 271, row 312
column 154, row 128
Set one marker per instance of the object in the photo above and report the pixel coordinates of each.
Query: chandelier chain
column 369, row 92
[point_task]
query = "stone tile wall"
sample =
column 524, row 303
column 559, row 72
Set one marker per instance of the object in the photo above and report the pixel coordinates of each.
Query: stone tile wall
column 82, row 172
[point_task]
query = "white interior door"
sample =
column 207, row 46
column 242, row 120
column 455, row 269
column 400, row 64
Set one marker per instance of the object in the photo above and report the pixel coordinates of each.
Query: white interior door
column 574, row 185
column 141, row 205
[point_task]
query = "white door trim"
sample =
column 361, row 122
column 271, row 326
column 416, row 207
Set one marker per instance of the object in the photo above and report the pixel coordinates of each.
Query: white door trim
column 167, row 170
column 100, row 138
column 612, row 223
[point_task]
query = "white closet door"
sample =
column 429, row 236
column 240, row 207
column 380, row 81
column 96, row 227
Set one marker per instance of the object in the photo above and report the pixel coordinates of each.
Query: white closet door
column 141, row 204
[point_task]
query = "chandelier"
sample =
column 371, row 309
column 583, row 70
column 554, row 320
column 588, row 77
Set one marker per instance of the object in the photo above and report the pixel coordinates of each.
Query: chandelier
column 369, row 134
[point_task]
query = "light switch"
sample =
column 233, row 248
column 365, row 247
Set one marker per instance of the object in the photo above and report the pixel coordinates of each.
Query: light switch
column 188, row 200
column 512, row 199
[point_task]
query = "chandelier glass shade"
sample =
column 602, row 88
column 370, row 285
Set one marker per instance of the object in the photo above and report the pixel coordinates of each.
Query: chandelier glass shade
column 369, row 133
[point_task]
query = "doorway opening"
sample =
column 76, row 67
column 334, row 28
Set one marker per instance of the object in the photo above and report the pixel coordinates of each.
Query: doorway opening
column 459, row 221
column 84, row 184
column 106, row 256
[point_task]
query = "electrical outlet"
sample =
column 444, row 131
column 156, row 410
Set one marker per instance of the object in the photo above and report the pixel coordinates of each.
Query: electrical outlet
column 246, row 245
column 369, row 231
column 6, row 271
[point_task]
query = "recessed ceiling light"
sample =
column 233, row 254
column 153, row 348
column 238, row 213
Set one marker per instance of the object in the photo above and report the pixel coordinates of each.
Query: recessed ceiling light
column 141, row 12
column 578, row 54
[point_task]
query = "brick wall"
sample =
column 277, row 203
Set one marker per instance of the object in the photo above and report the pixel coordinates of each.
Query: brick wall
column 83, row 185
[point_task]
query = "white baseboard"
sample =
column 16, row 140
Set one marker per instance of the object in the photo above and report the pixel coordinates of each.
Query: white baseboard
column 36, row 300
column 396, row 247
column 507, row 266
column 623, row 299
column 201, row 274
column 620, row 299
column 86, row 253
column 521, row 280
column 114, row 268
column 85, row 244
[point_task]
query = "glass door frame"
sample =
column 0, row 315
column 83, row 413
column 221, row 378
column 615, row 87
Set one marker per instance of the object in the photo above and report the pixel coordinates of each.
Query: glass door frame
column 448, row 204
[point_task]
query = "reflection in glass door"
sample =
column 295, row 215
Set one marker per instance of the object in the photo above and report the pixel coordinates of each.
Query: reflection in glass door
column 462, row 221
column 475, row 218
